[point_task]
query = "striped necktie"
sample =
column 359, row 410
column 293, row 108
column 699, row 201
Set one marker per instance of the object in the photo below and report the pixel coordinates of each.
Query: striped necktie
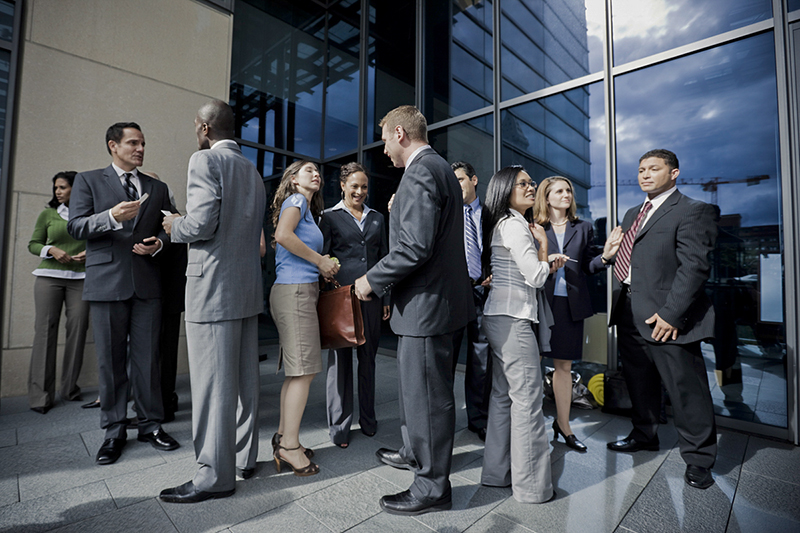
column 130, row 188
column 623, row 262
column 473, row 249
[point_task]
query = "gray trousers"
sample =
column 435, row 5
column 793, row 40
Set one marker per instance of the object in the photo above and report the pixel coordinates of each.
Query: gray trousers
column 223, row 366
column 516, row 451
column 339, row 381
column 427, row 411
column 49, row 295
column 114, row 323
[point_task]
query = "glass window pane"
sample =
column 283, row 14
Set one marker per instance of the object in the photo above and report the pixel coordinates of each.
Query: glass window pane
column 390, row 63
column 470, row 142
column 6, row 20
column 458, row 58
column 5, row 62
column 646, row 27
column 794, row 4
column 549, row 42
column 564, row 135
column 341, row 98
column 277, row 71
column 717, row 110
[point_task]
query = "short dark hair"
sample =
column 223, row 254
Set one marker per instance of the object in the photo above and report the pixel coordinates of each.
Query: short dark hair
column 669, row 158
column 116, row 131
column 69, row 176
column 219, row 117
column 497, row 207
column 348, row 169
column 463, row 165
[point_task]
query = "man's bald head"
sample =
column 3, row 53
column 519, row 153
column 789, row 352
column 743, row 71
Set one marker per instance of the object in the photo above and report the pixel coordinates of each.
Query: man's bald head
column 214, row 122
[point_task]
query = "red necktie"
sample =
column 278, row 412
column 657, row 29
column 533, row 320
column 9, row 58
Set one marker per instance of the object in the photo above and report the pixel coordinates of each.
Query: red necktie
column 623, row 263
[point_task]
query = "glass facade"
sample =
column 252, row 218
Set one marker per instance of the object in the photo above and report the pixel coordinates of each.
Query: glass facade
column 312, row 79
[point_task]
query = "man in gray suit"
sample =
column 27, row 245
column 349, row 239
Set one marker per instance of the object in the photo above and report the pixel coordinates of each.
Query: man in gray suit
column 662, row 313
column 224, row 215
column 117, row 211
column 426, row 272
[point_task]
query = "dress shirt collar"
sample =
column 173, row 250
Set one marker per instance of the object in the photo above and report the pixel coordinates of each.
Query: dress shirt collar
column 230, row 143
column 415, row 153
column 475, row 205
column 341, row 206
column 120, row 172
column 63, row 210
column 659, row 200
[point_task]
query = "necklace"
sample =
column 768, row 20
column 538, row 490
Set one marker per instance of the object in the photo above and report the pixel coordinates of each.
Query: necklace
column 558, row 223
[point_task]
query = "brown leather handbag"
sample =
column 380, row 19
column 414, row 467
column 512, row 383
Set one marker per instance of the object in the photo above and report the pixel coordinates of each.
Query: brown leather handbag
column 340, row 322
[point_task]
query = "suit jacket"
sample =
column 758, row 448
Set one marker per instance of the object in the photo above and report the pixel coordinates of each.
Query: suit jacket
column 357, row 252
column 113, row 271
column 669, row 267
column 578, row 239
column 426, row 267
column 225, row 203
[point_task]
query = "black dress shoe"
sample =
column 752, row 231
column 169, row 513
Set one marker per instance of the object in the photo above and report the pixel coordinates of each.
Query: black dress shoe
column 393, row 458
column 571, row 440
column 188, row 493
column 247, row 473
column 629, row 444
column 160, row 440
column 698, row 477
column 94, row 404
column 110, row 451
column 406, row 504
column 41, row 410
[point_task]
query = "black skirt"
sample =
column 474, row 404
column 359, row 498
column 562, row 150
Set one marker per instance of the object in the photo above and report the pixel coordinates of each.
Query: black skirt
column 567, row 335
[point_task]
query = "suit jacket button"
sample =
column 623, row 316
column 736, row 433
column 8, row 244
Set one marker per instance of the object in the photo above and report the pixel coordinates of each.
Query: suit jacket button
column 362, row 243
column 363, row 259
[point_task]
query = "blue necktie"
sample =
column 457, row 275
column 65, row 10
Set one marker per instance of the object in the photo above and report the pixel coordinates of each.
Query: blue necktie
column 473, row 249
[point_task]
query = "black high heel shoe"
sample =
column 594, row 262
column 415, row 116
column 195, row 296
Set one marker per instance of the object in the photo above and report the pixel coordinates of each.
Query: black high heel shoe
column 276, row 443
column 571, row 440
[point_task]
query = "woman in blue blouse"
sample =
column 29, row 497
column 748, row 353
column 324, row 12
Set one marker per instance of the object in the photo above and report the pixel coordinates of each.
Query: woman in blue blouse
column 293, row 303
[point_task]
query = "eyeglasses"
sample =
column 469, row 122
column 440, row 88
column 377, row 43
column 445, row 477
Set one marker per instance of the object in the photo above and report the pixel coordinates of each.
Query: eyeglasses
column 524, row 184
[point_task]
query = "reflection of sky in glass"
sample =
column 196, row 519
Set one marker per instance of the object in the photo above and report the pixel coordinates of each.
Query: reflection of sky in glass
column 794, row 4
column 341, row 103
column 646, row 27
column 717, row 110
column 550, row 42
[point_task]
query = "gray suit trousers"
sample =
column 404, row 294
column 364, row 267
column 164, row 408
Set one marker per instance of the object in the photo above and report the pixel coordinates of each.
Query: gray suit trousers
column 223, row 362
column 339, row 383
column 427, row 411
column 517, row 451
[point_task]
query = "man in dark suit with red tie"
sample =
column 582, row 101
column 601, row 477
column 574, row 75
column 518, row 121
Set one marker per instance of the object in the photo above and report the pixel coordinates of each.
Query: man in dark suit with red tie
column 662, row 314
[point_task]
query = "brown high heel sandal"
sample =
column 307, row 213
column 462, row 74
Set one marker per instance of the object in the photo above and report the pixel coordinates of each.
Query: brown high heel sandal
column 276, row 441
column 309, row 470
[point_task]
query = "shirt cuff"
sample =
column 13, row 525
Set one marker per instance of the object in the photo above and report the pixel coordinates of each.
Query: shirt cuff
column 114, row 224
column 159, row 248
column 45, row 253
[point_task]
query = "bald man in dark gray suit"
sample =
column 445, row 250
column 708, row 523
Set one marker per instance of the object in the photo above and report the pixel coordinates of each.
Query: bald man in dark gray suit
column 662, row 314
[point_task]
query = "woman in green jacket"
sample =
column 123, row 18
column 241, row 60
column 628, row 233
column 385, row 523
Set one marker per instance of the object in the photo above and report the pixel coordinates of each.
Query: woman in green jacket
column 59, row 282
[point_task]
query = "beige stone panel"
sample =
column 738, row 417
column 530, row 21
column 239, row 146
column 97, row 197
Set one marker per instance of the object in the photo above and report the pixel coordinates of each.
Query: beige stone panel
column 66, row 104
column 14, row 378
column 595, row 340
column 180, row 42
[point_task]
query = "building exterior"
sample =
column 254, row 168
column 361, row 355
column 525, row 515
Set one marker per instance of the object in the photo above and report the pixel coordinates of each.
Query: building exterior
column 579, row 88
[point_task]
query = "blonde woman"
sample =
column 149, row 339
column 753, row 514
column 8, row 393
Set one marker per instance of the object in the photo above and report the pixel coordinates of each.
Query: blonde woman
column 293, row 303
column 573, row 257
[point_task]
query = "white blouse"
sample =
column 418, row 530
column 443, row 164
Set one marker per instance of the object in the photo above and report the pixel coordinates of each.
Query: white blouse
column 516, row 270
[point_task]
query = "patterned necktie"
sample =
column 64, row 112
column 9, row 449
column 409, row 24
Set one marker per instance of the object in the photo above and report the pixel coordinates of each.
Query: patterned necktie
column 473, row 250
column 623, row 263
column 130, row 188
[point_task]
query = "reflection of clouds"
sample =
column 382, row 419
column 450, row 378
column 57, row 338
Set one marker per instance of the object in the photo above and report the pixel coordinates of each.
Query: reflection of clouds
column 643, row 19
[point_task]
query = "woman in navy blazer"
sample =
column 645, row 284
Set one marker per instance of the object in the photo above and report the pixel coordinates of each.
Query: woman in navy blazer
column 573, row 257
column 356, row 236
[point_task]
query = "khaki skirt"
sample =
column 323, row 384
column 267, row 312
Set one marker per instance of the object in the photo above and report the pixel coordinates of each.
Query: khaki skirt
column 294, row 310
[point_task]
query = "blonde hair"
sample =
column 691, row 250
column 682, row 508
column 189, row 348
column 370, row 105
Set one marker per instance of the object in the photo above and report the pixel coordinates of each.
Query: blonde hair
column 286, row 188
column 410, row 119
column 541, row 211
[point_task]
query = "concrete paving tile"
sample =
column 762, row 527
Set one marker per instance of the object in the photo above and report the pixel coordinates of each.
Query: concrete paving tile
column 778, row 460
column 266, row 491
column 357, row 457
column 55, row 510
column 9, row 489
column 147, row 483
column 732, row 444
column 348, row 502
column 387, row 522
column 770, row 419
column 400, row 479
column 144, row 516
column 471, row 502
column 745, row 519
column 775, row 497
column 291, row 517
column 42, row 455
column 669, row 504
column 472, row 471
column 495, row 523
column 8, row 437
column 58, row 423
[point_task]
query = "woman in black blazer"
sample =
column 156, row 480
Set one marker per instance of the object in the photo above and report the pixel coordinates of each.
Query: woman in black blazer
column 356, row 236
column 574, row 257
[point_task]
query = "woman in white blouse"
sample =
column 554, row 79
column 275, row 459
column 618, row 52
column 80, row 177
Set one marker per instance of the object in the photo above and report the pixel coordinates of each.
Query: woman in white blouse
column 517, row 452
